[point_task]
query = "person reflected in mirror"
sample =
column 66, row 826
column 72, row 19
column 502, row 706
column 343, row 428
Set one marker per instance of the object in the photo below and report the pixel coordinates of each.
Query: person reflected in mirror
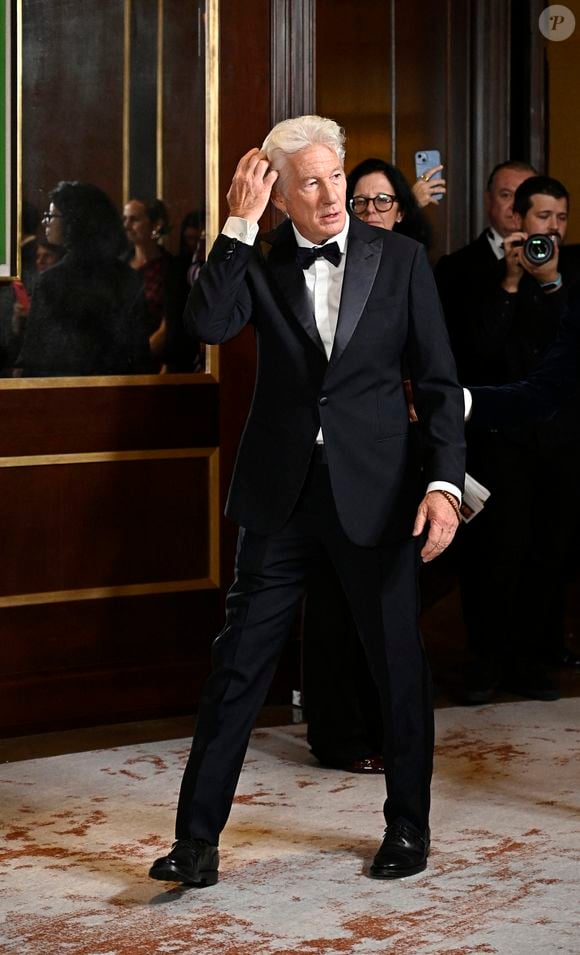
column 45, row 256
column 146, row 223
column 341, row 702
column 15, row 295
column 86, row 312
column 192, row 244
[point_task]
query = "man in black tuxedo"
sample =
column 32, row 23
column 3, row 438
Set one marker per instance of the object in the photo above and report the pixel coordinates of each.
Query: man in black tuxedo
column 325, row 463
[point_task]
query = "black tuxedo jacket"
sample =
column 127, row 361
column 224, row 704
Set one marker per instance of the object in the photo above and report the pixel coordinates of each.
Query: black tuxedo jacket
column 389, row 310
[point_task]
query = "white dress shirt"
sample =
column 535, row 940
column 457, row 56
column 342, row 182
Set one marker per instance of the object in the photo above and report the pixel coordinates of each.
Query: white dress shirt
column 496, row 242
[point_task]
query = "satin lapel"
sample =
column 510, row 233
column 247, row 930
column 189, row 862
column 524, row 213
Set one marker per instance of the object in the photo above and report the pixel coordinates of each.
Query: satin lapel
column 362, row 264
column 279, row 253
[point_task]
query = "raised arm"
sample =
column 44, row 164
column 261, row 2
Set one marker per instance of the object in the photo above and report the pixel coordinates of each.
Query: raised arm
column 219, row 304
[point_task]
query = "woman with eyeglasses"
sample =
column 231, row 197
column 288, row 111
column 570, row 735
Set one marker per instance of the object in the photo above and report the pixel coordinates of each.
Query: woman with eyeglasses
column 379, row 194
column 86, row 313
column 345, row 729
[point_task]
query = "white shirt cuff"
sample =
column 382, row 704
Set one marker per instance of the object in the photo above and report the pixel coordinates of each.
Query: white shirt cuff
column 444, row 486
column 240, row 229
column 468, row 402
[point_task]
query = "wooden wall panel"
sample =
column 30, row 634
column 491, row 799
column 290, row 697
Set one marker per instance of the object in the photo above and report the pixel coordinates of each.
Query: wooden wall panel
column 104, row 661
column 353, row 73
column 82, row 416
column 104, row 524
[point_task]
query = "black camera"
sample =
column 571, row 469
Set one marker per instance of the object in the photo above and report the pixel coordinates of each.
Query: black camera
column 539, row 248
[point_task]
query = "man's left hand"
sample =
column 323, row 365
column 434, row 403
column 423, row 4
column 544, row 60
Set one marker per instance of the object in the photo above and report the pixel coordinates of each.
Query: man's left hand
column 435, row 510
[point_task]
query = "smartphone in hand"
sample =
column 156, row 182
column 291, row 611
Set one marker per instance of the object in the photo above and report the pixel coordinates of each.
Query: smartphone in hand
column 425, row 161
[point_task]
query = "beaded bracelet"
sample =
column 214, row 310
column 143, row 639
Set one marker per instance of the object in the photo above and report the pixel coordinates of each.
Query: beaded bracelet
column 449, row 497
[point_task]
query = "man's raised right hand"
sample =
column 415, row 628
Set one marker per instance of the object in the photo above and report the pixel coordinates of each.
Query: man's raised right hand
column 251, row 186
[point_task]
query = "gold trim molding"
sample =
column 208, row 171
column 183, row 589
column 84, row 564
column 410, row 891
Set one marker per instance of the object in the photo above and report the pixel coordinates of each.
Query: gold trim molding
column 126, row 95
column 107, row 381
column 102, row 593
column 212, row 186
column 100, row 457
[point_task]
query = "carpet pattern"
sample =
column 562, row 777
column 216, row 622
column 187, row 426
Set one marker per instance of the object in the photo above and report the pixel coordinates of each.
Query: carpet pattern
column 80, row 831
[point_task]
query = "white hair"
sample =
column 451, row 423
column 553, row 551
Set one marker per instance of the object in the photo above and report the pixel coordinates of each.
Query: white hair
column 291, row 135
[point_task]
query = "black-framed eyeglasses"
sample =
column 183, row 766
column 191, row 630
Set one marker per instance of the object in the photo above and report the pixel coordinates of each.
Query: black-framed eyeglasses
column 382, row 202
column 49, row 216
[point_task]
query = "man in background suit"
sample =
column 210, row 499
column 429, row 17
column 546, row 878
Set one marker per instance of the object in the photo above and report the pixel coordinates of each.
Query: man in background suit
column 463, row 275
column 326, row 462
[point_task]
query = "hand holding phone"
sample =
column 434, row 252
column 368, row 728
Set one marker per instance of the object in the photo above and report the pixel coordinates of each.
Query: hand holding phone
column 427, row 165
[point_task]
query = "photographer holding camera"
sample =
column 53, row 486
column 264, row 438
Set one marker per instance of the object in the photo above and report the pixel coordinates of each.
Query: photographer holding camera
column 543, row 219
column 514, row 566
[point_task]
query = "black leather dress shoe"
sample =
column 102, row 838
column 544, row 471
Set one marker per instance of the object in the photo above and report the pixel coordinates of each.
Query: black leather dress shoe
column 478, row 694
column 191, row 861
column 481, row 684
column 534, row 682
column 404, row 851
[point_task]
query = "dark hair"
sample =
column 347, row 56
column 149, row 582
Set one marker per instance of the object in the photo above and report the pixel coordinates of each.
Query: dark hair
column 192, row 220
column 92, row 226
column 157, row 213
column 414, row 223
column 534, row 186
column 509, row 164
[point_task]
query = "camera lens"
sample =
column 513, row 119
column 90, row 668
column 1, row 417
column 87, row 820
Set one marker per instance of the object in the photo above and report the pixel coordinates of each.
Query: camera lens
column 539, row 248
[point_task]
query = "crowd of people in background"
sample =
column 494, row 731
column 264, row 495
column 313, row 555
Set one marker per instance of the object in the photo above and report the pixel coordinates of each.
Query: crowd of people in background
column 98, row 292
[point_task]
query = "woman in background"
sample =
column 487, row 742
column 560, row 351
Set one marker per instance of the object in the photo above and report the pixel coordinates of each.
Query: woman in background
column 146, row 222
column 86, row 312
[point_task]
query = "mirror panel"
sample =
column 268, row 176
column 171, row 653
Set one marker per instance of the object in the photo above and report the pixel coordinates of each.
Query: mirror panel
column 113, row 94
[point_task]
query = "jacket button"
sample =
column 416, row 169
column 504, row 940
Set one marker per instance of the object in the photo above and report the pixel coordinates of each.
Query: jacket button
column 323, row 400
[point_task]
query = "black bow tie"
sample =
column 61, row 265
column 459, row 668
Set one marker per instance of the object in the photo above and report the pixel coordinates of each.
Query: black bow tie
column 330, row 251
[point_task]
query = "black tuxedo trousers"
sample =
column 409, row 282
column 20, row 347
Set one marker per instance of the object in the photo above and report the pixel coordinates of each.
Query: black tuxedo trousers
column 271, row 571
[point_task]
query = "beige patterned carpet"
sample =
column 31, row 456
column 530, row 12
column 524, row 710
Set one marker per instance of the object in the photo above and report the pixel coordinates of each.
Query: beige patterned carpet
column 80, row 831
